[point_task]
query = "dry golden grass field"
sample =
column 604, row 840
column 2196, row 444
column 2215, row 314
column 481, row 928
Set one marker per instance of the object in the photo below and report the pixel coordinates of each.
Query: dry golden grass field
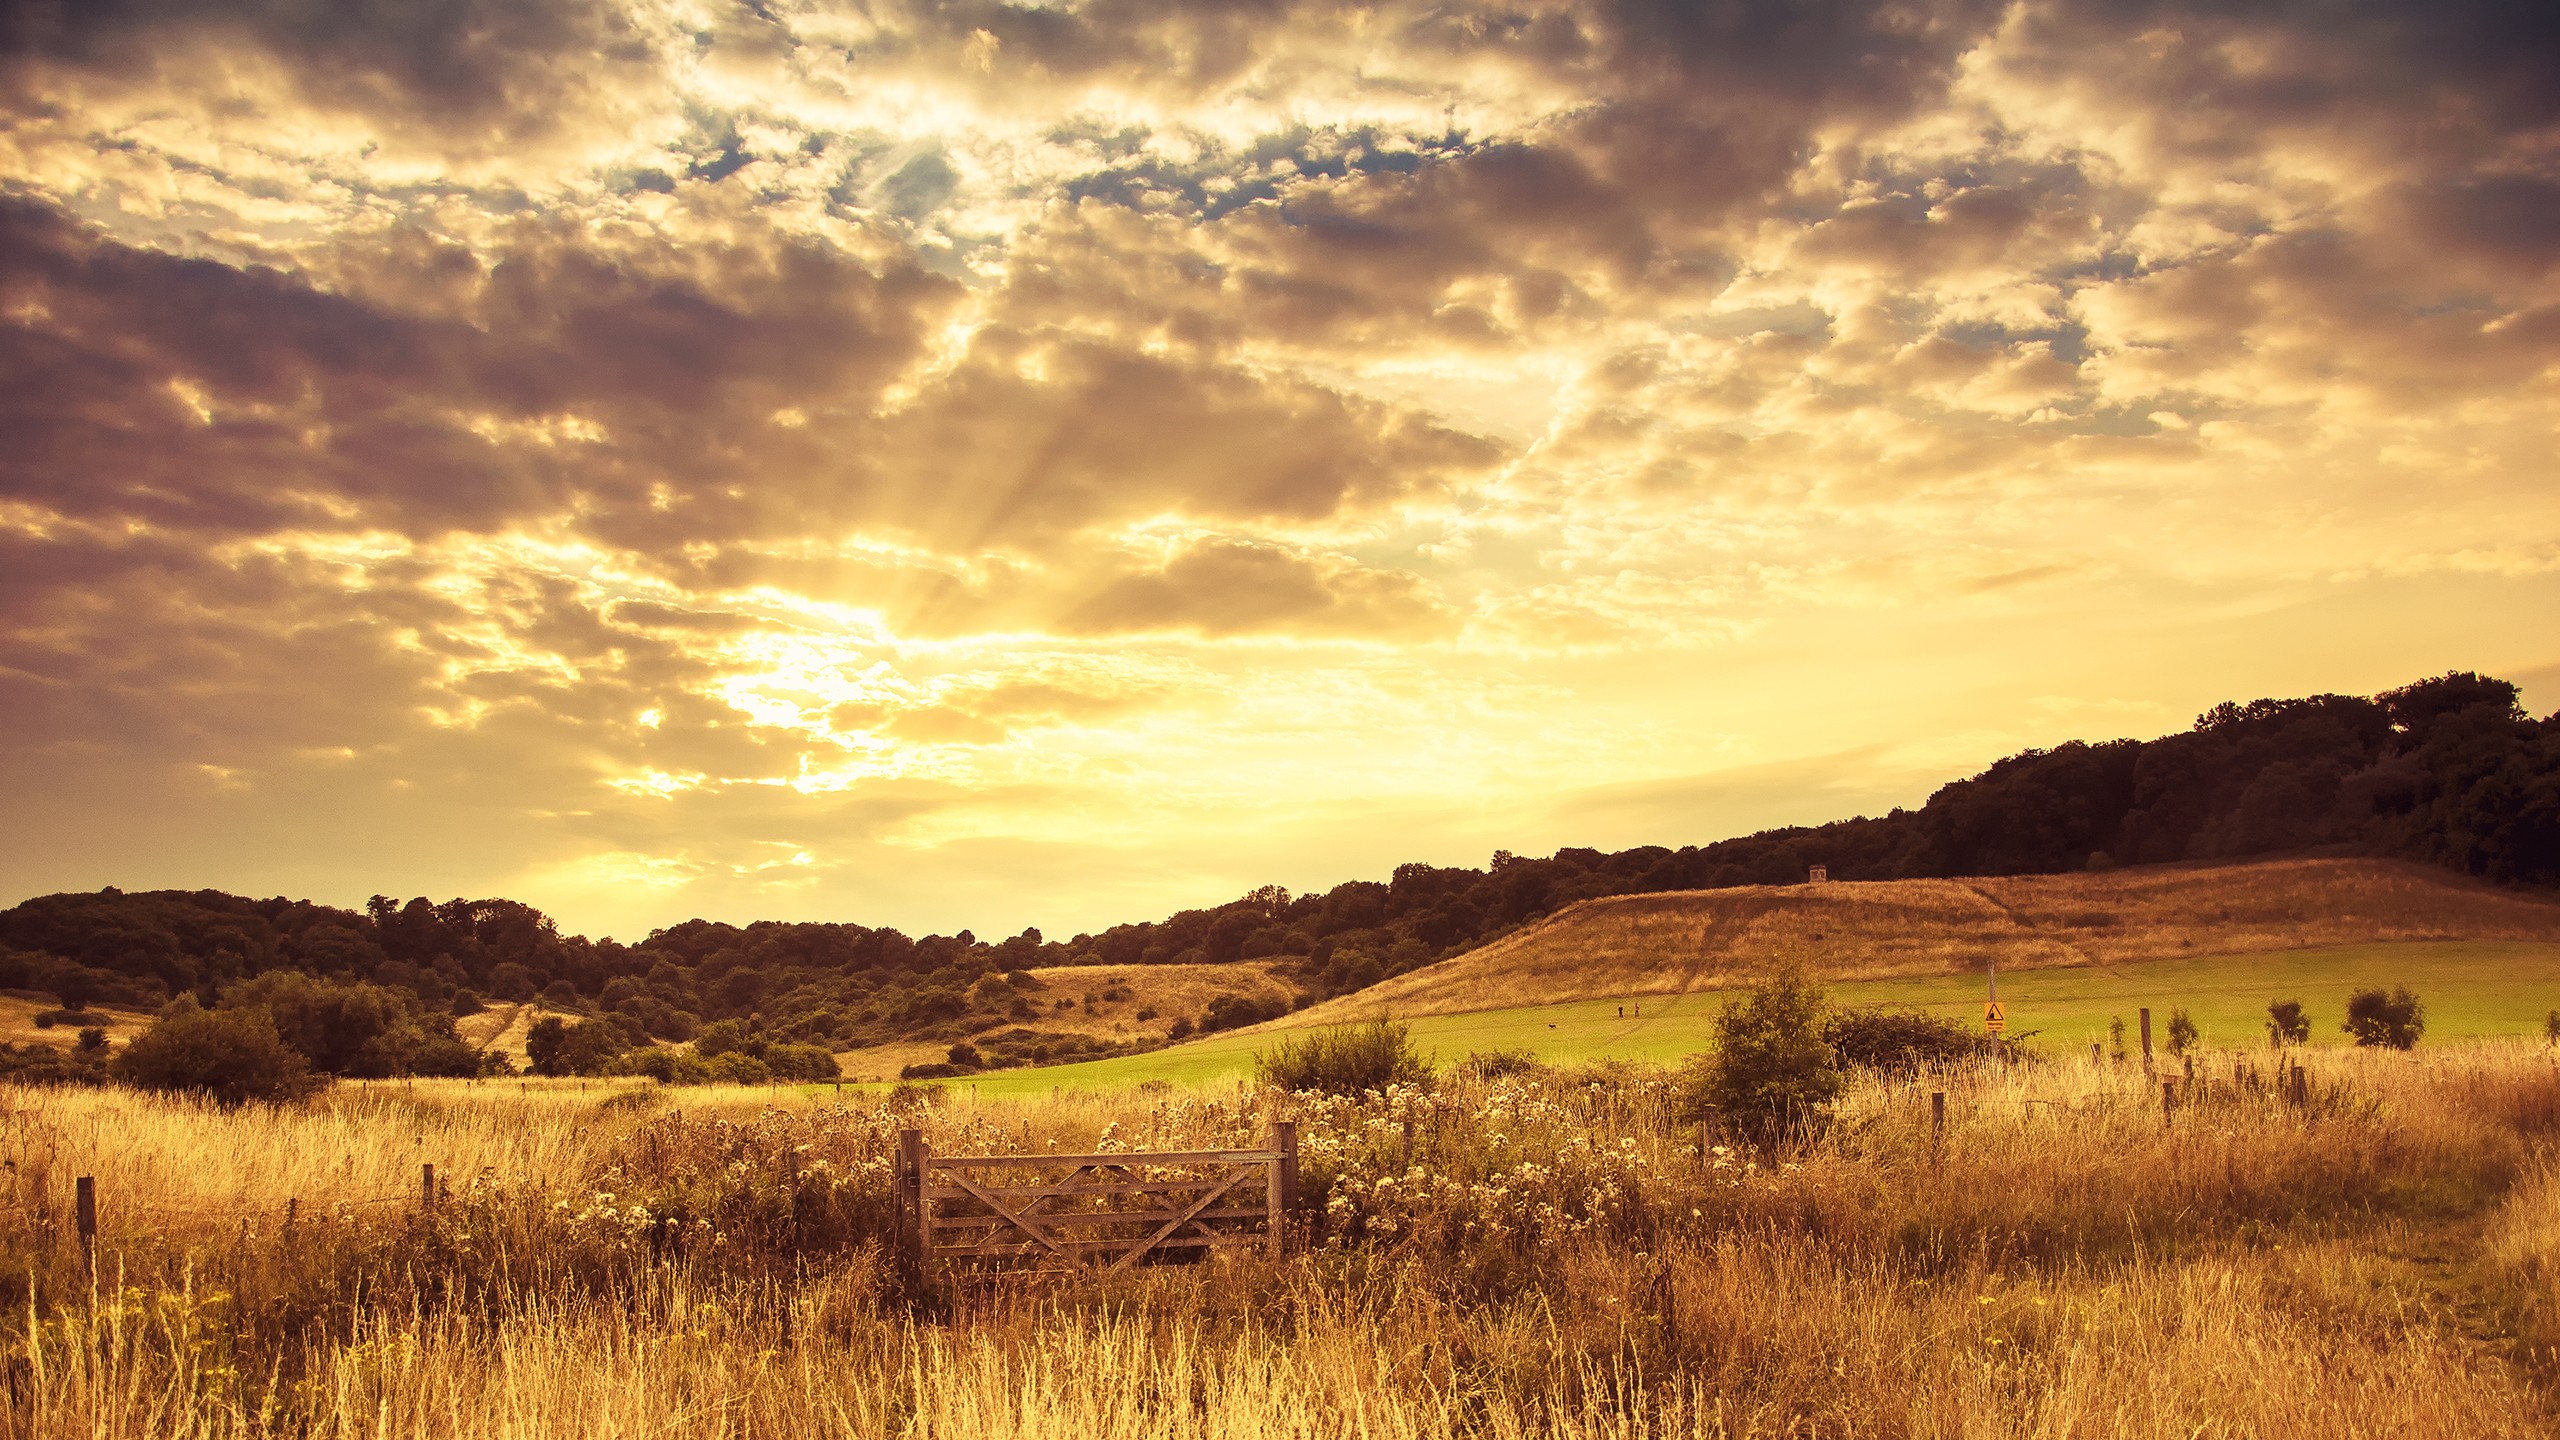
column 1555, row 1256
column 1684, row 941
column 18, row 1022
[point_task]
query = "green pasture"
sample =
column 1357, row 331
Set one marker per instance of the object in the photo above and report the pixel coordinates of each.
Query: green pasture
column 2472, row 989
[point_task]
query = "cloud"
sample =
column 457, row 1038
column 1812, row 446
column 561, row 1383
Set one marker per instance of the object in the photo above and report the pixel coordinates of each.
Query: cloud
column 1226, row 587
column 677, row 438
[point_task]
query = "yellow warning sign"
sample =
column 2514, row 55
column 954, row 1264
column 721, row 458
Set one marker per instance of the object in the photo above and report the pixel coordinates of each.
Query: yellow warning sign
column 1994, row 1018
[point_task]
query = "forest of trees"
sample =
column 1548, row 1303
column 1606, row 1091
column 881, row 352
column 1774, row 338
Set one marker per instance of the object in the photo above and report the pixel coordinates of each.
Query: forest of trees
column 2449, row 771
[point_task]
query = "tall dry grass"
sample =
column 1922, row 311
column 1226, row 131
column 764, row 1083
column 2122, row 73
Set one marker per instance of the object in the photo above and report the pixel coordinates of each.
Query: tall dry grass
column 1555, row 1258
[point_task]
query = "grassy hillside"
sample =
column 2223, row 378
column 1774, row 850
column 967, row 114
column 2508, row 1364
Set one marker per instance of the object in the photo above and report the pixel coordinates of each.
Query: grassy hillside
column 1685, row 941
column 2473, row 990
column 1112, row 1003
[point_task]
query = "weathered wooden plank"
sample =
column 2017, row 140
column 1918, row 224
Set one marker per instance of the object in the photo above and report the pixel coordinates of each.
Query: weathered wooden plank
column 1084, row 1218
column 1094, row 1246
column 1125, row 1261
column 1158, row 1157
column 1021, row 1222
column 1024, row 1192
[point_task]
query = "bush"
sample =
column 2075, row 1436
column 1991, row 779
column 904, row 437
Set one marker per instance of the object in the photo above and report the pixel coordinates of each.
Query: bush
column 720, row 1037
column 234, row 1056
column 2182, row 1031
column 554, row 1047
column 47, row 1019
column 2286, row 1024
column 933, row 1070
column 1495, row 1064
column 93, row 1041
column 965, row 1056
column 2393, row 1021
column 1901, row 1042
column 739, row 1068
column 44, row 1065
column 1180, row 1029
column 468, row 1002
column 800, row 1062
column 1772, row 1071
column 1346, row 1060
column 1231, row 1012
column 666, row 1066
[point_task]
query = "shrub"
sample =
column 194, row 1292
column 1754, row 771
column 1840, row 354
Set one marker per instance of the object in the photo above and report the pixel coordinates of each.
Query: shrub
column 2551, row 1027
column 468, row 1002
column 47, row 1019
column 234, row 1056
column 93, row 1040
column 44, row 1065
column 739, row 1068
column 965, row 1056
column 1229, row 1012
column 2182, row 1031
column 1180, row 1029
column 933, row 1070
column 801, row 1062
column 666, row 1066
column 2286, row 1024
column 720, row 1037
column 1345, row 1060
column 1772, row 1071
column 2393, row 1021
column 1901, row 1042
column 555, row 1047
column 1495, row 1064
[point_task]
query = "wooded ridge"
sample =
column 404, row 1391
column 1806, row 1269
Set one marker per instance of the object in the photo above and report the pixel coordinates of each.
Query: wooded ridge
column 2448, row 771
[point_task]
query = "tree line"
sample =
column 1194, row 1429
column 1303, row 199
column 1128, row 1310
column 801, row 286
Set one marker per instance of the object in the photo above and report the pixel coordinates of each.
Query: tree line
column 2450, row 771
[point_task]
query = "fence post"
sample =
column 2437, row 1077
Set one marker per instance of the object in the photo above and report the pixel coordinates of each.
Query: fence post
column 84, row 1212
column 2168, row 1099
column 2146, row 1039
column 1937, row 1122
column 1408, row 1142
column 427, row 1186
column 911, row 1195
column 1275, row 1194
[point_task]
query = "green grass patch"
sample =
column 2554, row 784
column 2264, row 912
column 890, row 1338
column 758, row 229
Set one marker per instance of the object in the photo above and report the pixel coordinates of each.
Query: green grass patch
column 2472, row 989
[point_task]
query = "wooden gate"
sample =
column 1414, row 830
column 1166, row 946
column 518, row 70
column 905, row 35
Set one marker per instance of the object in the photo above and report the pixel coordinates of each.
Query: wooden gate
column 1104, row 1212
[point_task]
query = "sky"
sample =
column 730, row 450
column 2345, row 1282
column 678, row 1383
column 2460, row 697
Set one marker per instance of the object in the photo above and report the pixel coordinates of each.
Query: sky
column 993, row 465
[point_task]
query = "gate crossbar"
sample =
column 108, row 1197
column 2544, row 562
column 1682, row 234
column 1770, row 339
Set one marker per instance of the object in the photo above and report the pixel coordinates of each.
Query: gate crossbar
column 1176, row 1213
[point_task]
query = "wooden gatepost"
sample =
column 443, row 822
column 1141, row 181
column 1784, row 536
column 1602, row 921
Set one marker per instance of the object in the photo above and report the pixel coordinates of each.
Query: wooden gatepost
column 1098, row 1212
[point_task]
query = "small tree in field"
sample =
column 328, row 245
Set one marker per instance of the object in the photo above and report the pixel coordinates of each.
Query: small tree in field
column 2551, row 1028
column 2392, row 1022
column 232, row 1055
column 2182, row 1031
column 1772, row 1071
column 2286, row 1024
column 1345, row 1060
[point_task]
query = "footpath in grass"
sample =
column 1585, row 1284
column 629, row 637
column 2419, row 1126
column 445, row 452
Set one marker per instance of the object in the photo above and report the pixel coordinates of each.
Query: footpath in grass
column 2472, row 989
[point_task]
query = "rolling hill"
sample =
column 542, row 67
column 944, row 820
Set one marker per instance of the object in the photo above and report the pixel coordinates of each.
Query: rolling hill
column 1698, row 940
